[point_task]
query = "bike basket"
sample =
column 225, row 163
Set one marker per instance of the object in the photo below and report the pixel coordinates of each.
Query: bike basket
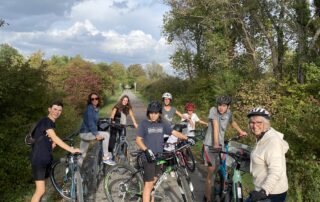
column 242, row 150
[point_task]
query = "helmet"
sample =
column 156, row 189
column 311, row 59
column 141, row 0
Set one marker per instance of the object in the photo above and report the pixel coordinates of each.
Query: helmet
column 190, row 106
column 167, row 95
column 224, row 99
column 154, row 106
column 259, row 111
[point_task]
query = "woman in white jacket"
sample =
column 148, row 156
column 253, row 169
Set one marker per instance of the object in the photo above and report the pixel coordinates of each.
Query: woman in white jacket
column 268, row 163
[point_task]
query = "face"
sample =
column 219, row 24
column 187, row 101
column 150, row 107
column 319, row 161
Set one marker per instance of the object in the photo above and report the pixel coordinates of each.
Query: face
column 94, row 99
column 54, row 112
column 190, row 112
column 223, row 108
column 167, row 101
column 154, row 116
column 125, row 101
column 257, row 125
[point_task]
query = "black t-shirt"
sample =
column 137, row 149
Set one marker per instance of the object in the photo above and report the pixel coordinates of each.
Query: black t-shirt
column 42, row 149
column 152, row 134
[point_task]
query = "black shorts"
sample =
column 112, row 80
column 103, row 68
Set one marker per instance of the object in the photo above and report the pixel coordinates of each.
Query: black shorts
column 40, row 172
column 151, row 170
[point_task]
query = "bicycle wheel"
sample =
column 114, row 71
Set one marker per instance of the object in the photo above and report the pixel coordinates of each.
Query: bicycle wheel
column 189, row 159
column 61, row 178
column 185, row 185
column 79, row 187
column 123, row 183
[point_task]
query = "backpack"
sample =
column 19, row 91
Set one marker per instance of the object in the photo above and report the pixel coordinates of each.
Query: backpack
column 29, row 140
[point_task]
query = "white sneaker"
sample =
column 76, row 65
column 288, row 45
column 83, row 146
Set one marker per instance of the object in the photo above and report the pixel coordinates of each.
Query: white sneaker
column 172, row 174
column 109, row 161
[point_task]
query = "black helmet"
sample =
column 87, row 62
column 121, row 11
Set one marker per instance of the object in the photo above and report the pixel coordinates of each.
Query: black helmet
column 224, row 99
column 154, row 106
column 259, row 111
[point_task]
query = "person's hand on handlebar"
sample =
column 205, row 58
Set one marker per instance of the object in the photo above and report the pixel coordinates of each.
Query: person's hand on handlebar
column 75, row 150
column 242, row 133
column 135, row 125
column 99, row 137
column 216, row 148
column 191, row 141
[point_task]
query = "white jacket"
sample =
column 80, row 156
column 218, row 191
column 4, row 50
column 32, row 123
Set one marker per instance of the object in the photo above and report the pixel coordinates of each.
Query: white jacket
column 268, row 163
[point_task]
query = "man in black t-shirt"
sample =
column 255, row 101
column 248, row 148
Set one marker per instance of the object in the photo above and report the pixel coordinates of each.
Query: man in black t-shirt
column 150, row 140
column 41, row 154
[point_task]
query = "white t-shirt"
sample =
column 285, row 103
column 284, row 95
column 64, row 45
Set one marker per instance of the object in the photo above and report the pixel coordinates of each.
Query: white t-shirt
column 194, row 118
column 174, row 139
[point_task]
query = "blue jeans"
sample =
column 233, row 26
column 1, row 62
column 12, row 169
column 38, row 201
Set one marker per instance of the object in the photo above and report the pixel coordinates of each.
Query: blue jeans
column 273, row 198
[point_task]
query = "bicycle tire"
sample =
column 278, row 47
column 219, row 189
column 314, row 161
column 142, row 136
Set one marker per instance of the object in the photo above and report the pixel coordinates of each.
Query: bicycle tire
column 79, row 186
column 61, row 178
column 189, row 159
column 187, row 194
column 123, row 183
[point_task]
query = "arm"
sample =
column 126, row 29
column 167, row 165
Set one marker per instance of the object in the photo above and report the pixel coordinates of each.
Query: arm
column 56, row 140
column 91, row 123
column 215, row 134
column 179, row 135
column 133, row 118
column 203, row 123
column 180, row 115
column 141, row 145
column 275, row 162
column 113, row 113
column 236, row 126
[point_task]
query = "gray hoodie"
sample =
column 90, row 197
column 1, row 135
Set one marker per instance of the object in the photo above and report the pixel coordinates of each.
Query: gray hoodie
column 268, row 163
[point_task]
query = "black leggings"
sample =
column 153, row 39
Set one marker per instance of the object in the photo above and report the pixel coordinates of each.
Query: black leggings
column 113, row 138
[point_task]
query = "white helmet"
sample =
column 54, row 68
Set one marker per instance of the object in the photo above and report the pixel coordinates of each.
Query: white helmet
column 167, row 95
column 259, row 111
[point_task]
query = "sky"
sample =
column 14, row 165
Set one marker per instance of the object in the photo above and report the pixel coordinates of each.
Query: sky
column 127, row 31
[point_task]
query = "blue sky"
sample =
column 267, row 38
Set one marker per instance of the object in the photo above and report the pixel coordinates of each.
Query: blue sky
column 127, row 31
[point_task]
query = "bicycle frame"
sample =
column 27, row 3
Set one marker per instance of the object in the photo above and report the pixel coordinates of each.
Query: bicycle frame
column 236, row 180
column 71, row 174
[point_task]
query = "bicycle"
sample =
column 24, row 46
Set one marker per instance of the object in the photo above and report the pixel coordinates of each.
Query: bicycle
column 189, row 159
column 123, row 182
column 120, row 150
column 66, row 177
column 228, row 185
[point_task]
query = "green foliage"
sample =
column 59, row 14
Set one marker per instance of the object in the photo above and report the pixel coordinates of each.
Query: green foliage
column 304, row 180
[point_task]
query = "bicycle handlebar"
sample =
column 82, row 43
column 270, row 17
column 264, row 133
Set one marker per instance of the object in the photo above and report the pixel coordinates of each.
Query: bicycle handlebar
column 108, row 123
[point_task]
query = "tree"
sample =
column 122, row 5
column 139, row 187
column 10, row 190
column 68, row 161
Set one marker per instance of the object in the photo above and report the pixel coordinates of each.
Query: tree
column 155, row 71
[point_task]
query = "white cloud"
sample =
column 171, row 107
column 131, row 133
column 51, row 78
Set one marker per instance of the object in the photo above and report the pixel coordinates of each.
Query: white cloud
column 127, row 31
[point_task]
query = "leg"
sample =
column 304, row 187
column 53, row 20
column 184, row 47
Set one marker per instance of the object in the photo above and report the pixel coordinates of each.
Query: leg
column 150, row 171
column 113, row 138
column 84, row 144
column 105, row 143
column 208, row 185
column 39, row 192
column 213, row 161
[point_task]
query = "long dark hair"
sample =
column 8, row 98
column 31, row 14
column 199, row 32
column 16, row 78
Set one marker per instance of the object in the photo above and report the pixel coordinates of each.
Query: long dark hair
column 89, row 99
column 123, row 108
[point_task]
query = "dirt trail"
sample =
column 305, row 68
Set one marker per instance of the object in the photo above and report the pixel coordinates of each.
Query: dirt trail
column 170, row 185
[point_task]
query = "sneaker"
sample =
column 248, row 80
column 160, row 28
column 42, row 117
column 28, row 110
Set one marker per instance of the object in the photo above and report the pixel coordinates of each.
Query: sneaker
column 109, row 161
column 172, row 174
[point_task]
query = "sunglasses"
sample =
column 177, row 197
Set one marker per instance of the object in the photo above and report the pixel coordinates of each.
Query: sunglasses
column 94, row 98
